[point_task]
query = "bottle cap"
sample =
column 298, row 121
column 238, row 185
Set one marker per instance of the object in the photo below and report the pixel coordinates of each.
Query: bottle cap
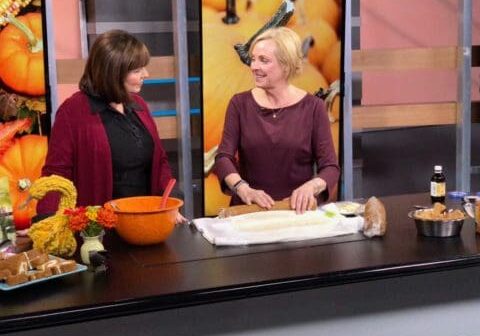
column 457, row 194
column 437, row 168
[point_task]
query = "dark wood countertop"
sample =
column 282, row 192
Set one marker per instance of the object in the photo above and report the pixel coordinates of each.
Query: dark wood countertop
column 187, row 270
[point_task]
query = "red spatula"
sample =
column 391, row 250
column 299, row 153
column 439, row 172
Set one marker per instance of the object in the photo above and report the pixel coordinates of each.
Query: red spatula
column 167, row 191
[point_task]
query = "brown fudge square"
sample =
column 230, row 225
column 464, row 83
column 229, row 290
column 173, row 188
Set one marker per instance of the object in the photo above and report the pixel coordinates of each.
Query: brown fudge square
column 17, row 279
column 68, row 266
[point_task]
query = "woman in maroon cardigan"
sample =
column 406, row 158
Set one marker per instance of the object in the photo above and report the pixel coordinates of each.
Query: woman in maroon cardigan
column 104, row 138
column 278, row 132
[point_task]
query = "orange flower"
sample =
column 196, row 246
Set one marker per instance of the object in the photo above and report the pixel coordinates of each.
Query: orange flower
column 106, row 218
column 77, row 218
column 91, row 220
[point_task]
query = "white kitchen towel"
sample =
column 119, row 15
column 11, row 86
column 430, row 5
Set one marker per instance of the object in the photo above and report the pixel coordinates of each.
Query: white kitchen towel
column 277, row 226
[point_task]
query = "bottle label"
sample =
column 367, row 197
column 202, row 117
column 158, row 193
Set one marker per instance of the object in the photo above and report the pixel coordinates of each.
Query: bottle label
column 437, row 189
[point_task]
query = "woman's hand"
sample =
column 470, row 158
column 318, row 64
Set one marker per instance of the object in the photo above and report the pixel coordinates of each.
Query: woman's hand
column 249, row 195
column 180, row 219
column 304, row 197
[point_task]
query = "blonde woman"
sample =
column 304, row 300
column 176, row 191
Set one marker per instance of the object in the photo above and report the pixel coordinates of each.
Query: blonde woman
column 275, row 134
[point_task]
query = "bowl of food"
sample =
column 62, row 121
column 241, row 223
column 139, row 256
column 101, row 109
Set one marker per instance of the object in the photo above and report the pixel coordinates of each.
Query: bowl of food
column 141, row 221
column 438, row 221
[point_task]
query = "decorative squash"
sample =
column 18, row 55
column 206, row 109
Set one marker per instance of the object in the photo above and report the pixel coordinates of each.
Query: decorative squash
column 216, row 198
column 22, row 164
column 306, row 11
column 208, row 14
column 222, row 80
column 310, row 79
column 267, row 8
column 324, row 37
column 53, row 234
column 21, row 54
column 221, row 5
column 309, row 11
column 8, row 131
column 218, row 5
column 334, row 112
column 331, row 64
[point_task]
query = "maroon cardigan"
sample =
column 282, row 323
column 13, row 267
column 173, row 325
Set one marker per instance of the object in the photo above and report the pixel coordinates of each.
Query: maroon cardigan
column 79, row 150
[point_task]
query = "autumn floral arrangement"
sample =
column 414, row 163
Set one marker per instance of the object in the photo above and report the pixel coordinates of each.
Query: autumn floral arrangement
column 90, row 220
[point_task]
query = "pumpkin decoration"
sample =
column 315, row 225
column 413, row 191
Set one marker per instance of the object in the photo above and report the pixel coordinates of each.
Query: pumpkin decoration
column 218, row 5
column 324, row 37
column 22, row 164
column 221, row 5
column 21, row 54
column 310, row 79
column 8, row 131
column 334, row 112
column 209, row 14
column 306, row 11
column 266, row 8
column 331, row 64
column 216, row 198
column 310, row 11
column 222, row 80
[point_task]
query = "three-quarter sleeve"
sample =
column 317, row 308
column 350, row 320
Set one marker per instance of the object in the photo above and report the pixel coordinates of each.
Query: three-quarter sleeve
column 225, row 160
column 325, row 157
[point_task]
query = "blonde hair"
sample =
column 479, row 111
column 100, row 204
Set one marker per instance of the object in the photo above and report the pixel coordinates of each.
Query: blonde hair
column 289, row 48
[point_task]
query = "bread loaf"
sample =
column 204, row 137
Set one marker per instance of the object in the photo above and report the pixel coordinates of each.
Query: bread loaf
column 375, row 218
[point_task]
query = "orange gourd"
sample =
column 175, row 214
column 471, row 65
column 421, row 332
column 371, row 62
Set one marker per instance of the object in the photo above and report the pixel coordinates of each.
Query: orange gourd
column 311, row 80
column 324, row 37
column 221, row 5
column 334, row 113
column 21, row 162
column 216, row 199
column 306, row 11
column 331, row 64
column 223, row 72
column 21, row 55
column 218, row 5
column 309, row 11
column 221, row 80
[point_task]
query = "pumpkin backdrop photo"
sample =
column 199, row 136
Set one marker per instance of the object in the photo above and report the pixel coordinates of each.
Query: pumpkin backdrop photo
column 226, row 23
column 23, row 108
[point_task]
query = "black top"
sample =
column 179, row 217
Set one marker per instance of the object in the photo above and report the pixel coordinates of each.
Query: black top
column 131, row 146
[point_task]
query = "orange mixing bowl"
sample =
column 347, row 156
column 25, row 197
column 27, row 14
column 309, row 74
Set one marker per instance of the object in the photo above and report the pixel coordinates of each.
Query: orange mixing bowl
column 140, row 220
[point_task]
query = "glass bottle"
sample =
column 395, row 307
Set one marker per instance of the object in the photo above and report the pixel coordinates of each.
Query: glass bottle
column 437, row 185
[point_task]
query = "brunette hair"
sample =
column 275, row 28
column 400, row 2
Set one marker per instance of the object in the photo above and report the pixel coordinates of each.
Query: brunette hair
column 113, row 54
column 289, row 48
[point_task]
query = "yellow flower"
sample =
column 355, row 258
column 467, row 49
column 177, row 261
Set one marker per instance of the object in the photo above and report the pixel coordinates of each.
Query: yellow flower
column 92, row 213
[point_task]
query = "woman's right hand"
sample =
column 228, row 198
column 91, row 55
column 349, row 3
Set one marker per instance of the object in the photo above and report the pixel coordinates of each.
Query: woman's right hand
column 249, row 195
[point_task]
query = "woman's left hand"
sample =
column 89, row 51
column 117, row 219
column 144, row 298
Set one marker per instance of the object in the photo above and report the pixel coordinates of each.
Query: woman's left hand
column 304, row 197
column 180, row 219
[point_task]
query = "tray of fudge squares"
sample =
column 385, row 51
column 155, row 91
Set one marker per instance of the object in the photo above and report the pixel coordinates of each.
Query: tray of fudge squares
column 33, row 266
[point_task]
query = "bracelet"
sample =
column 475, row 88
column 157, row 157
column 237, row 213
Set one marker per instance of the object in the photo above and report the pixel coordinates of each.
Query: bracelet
column 238, row 184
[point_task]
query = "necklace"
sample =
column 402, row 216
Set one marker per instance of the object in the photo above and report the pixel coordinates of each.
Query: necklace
column 276, row 112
